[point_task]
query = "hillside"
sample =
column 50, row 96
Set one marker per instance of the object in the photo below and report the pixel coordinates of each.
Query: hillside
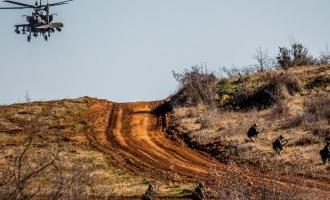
column 100, row 149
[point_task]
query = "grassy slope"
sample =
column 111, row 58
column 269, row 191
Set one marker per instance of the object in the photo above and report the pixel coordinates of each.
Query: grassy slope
column 61, row 125
column 223, row 133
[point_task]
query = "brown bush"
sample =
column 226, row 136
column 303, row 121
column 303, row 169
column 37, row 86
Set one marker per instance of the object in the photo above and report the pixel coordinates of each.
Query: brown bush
column 196, row 85
column 318, row 107
column 294, row 122
column 209, row 119
column 316, row 116
column 279, row 110
column 307, row 140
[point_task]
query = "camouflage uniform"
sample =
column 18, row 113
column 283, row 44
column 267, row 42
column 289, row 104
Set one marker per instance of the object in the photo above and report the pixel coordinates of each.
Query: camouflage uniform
column 149, row 195
column 278, row 144
column 325, row 153
column 199, row 193
column 253, row 132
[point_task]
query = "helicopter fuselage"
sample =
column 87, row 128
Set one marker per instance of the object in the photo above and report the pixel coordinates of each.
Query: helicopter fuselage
column 39, row 18
column 40, row 22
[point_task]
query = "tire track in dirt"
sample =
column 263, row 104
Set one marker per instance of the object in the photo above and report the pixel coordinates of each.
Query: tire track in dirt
column 135, row 139
column 135, row 131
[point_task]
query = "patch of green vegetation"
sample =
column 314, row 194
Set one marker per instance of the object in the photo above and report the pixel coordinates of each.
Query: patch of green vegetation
column 100, row 166
column 229, row 88
column 178, row 192
column 77, row 127
column 185, row 192
column 120, row 173
column 146, row 181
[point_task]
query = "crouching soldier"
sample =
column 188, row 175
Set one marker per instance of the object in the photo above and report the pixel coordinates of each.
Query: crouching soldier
column 278, row 144
column 149, row 195
column 325, row 153
column 253, row 132
column 198, row 194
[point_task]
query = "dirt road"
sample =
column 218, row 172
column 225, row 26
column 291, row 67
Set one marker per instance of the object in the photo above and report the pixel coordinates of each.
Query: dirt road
column 135, row 139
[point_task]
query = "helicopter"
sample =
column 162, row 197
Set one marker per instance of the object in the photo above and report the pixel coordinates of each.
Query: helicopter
column 40, row 22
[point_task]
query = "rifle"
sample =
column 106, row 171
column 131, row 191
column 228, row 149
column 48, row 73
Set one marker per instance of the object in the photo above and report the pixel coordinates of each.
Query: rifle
column 286, row 141
column 260, row 130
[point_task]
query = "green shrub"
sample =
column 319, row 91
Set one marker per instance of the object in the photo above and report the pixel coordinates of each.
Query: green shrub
column 298, row 55
column 146, row 181
column 227, row 88
column 186, row 192
column 284, row 59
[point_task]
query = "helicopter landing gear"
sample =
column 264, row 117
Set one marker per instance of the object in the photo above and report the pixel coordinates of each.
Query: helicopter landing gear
column 59, row 29
column 17, row 31
column 24, row 31
column 35, row 35
column 46, row 38
column 29, row 38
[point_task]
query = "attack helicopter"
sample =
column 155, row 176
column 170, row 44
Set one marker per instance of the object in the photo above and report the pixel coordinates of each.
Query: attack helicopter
column 40, row 22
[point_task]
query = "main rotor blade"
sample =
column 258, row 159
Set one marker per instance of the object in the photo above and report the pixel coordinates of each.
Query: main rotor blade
column 62, row 2
column 53, row 4
column 20, row 4
column 57, row 4
column 12, row 8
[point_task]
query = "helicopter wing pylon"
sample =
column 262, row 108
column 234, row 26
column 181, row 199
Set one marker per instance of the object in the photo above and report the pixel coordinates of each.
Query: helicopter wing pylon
column 22, row 25
column 51, row 25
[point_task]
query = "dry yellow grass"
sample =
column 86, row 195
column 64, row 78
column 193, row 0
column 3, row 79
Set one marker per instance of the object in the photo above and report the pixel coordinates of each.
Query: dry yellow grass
column 230, row 127
column 60, row 123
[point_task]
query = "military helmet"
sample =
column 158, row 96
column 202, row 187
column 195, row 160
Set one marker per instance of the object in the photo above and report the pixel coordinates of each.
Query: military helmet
column 255, row 124
column 281, row 137
column 200, row 184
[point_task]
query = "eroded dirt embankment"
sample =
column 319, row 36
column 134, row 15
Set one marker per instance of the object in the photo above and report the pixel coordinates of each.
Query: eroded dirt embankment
column 135, row 139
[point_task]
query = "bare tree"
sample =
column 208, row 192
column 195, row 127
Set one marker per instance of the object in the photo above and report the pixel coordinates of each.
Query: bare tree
column 27, row 97
column 264, row 61
column 18, row 179
column 325, row 56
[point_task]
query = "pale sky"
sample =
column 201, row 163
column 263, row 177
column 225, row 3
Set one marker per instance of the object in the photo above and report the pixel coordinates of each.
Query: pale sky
column 125, row 50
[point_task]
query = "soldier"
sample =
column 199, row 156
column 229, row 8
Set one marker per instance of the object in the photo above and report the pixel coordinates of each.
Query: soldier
column 149, row 195
column 253, row 132
column 325, row 153
column 278, row 144
column 199, row 192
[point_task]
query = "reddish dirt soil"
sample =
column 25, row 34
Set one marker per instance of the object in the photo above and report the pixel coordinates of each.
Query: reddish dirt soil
column 135, row 139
